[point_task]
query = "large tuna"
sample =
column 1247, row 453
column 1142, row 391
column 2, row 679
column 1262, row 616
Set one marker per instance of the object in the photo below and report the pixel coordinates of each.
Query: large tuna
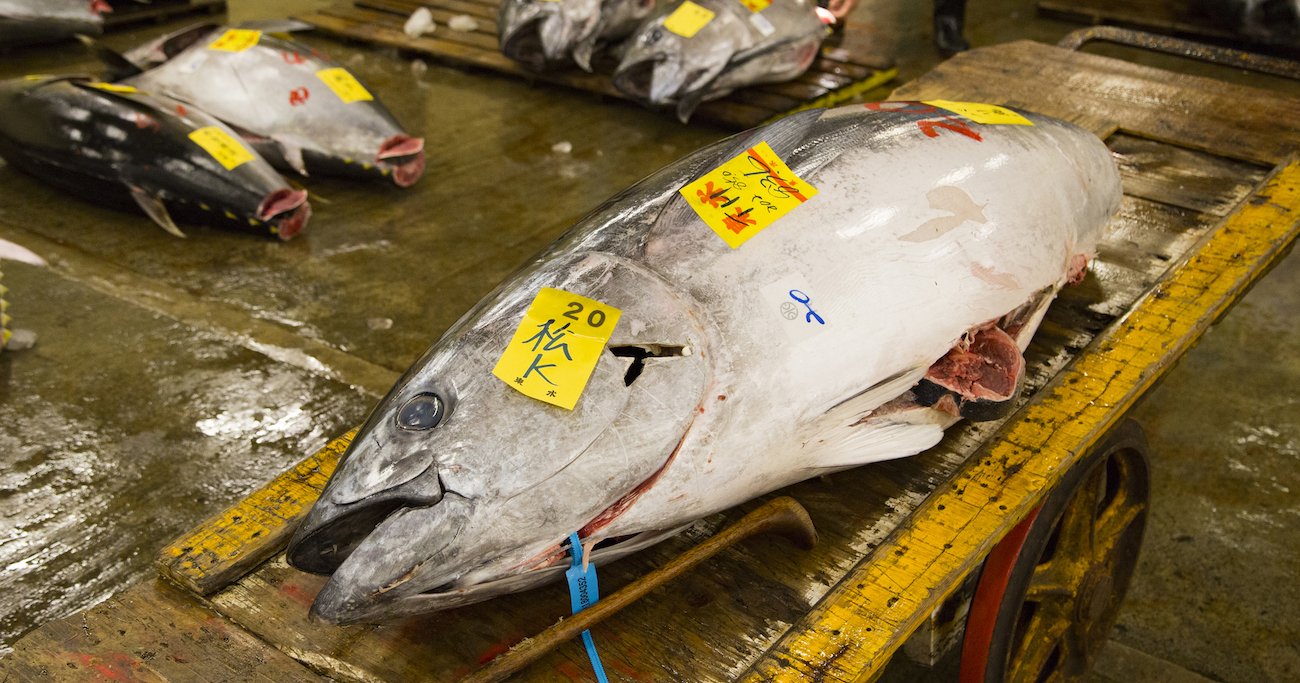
column 926, row 252
column 297, row 108
column 705, row 49
column 110, row 142
column 547, row 33
column 23, row 22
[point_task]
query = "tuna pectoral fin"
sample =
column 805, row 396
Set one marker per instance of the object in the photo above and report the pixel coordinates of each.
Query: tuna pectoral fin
column 292, row 154
column 153, row 206
column 119, row 67
column 869, row 442
column 15, row 252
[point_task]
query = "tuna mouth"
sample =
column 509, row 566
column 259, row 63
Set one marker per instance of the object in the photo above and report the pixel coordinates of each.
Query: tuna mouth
column 325, row 548
column 523, row 43
column 405, row 156
column 286, row 209
column 635, row 80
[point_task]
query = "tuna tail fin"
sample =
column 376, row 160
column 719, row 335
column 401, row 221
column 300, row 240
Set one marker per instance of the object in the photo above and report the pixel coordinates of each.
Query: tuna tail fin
column 153, row 206
column 119, row 67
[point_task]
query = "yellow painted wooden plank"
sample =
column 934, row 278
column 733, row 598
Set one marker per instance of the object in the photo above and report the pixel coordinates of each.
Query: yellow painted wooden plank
column 841, row 95
column 224, row 548
column 853, row 632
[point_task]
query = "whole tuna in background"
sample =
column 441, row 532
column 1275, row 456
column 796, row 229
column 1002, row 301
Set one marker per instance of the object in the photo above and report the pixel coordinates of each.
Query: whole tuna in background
column 549, row 33
column 274, row 92
column 736, row 48
column 24, row 22
column 913, row 278
column 106, row 142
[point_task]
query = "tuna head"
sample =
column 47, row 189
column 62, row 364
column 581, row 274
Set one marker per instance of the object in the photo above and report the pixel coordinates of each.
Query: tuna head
column 542, row 33
column 459, row 488
column 660, row 66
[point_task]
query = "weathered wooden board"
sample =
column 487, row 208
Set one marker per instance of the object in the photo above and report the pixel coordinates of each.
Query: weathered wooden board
column 1193, row 112
column 847, row 66
column 153, row 632
column 128, row 12
column 1164, row 16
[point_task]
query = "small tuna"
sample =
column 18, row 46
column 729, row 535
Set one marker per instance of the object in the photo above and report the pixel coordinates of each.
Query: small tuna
column 25, row 22
column 104, row 141
column 297, row 108
column 855, row 328
column 705, row 49
column 548, row 33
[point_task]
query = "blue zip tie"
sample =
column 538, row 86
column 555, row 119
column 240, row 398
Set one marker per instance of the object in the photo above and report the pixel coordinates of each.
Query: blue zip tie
column 584, row 591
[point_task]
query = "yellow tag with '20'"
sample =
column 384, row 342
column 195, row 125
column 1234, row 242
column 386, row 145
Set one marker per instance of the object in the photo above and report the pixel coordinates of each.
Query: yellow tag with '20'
column 557, row 346
column 747, row 194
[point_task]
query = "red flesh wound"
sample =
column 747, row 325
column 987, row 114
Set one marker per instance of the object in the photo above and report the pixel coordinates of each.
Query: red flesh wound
column 288, row 209
column 405, row 155
column 987, row 369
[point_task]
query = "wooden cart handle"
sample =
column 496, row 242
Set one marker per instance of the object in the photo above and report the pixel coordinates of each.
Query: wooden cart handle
column 783, row 516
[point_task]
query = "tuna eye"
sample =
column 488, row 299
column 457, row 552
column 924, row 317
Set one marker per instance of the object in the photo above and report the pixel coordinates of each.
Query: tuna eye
column 421, row 413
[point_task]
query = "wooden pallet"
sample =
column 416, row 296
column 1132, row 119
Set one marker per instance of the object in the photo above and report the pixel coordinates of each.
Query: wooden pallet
column 846, row 67
column 1163, row 16
column 1212, row 199
column 129, row 12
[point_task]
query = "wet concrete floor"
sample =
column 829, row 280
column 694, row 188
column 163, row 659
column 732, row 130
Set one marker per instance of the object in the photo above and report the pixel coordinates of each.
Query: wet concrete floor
column 173, row 376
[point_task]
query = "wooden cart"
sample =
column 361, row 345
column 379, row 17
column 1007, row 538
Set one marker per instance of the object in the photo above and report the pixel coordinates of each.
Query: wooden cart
column 1212, row 199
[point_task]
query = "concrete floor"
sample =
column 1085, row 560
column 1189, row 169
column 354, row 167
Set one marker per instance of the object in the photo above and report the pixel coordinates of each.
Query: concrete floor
column 171, row 377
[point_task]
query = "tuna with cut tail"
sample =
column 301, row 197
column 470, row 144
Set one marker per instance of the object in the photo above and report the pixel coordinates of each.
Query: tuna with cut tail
column 830, row 290
column 298, row 109
column 705, row 49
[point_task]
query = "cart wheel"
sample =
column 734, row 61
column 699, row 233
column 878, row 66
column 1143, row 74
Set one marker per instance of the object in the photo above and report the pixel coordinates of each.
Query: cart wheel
column 1050, row 591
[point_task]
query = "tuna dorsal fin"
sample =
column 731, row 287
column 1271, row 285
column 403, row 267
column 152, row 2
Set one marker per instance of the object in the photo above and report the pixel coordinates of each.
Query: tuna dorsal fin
column 119, row 67
column 153, row 206
column 276, row 25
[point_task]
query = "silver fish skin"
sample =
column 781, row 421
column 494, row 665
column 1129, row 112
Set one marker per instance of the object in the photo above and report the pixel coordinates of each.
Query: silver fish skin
column 925, row 227
column 27, row 22
column 271, row 93
column 544, row 34
column 736, row 48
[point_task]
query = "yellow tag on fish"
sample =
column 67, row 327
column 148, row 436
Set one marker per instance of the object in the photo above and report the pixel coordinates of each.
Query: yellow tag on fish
column 747, row 194
column 113, row 87
column 228, row 151
column 756, row 5
column 345, row 85
column 688, row 19
column 556, row 346
column 236, row 40
column 990, row 114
